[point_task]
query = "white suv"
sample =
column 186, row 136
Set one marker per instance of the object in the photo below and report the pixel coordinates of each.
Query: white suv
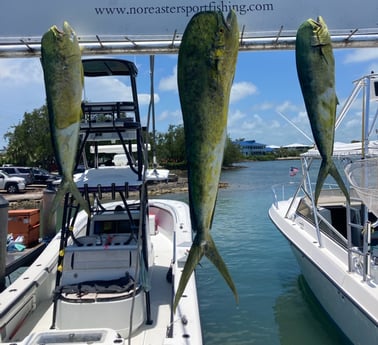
column 11, row 184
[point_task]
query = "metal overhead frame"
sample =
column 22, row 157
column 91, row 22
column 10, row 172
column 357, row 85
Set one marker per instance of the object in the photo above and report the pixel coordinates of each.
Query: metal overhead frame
column 11, row 47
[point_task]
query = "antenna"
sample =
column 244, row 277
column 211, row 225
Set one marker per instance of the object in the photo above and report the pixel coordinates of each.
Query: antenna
column 297, row 128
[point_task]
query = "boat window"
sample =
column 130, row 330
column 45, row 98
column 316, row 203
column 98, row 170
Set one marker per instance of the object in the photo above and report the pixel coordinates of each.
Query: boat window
column 123, row 226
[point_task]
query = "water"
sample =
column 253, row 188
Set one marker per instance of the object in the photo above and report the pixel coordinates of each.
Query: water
column 275, row 304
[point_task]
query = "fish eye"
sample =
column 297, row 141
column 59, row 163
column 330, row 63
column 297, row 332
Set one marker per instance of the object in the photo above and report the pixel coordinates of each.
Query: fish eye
column 221, row 31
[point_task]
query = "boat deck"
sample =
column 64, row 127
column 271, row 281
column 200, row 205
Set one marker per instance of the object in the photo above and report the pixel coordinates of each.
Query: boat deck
column 15, row 260
column 160, row 300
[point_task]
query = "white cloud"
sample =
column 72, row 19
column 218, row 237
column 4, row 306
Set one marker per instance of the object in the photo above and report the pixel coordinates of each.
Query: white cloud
column 169, row 83
column 172, row 117
column 106, row 89
column 263, row 106
column 241, row 90
column 144, row 98
column 361, row 55
column 286, row 106
column 235, row 117
column 20, row 71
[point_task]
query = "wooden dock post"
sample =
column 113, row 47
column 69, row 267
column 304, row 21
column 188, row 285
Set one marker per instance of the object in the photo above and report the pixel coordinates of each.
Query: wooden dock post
column 4, row 204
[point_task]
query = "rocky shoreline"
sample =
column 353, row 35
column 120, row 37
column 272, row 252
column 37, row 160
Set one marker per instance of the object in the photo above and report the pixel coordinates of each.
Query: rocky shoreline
column 33, row 196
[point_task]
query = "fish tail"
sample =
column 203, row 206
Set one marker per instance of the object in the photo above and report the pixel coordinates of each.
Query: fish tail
column 196, row 253
column 329, row 167
column 213, row 255
column 58, row 198
column 336, row 175
column 69, row 186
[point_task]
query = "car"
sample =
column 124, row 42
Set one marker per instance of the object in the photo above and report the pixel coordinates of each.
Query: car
column 42, row 176
column 12, row 184
column 24, row 172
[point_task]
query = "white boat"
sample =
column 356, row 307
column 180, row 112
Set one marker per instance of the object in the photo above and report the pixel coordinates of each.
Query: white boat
column 334, row 242
column 111, row 277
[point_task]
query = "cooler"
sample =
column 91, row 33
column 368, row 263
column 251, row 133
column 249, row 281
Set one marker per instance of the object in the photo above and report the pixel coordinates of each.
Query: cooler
column 24, row 223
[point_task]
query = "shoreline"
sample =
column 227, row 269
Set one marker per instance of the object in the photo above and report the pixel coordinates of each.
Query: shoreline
column 33, row 196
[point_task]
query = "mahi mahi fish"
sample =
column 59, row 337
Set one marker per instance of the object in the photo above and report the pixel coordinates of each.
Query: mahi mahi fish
column 63, row 74
column 206, row 67
column 316, row 73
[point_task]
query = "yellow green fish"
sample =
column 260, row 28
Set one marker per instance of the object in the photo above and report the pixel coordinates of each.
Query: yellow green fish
column 63, row 74
column 206, row 67
column 316, row 73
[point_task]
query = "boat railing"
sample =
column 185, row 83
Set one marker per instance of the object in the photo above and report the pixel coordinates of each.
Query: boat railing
column 362, row 256
column 283, row 191
column 321, row 220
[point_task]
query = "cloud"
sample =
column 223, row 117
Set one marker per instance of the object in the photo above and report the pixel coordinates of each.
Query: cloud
column 235, row 117
column 286, row 106
column 361, row 55
column 241, row 90
column 172, row 117
column 169, row 83
column 20, row 71
column 144, row 98
column 106, row 89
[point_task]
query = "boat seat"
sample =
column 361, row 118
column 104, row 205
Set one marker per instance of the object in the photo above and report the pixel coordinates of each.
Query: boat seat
column 97, row 290
column 87, row 241
column 105, row 239
column 99, row 259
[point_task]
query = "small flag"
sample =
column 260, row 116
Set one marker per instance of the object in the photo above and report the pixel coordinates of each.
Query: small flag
column 293, row 171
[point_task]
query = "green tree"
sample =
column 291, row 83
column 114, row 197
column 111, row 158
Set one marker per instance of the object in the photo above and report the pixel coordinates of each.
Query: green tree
column 170, row 146
column 29, row 142
column 170, row 149
column 232, row 153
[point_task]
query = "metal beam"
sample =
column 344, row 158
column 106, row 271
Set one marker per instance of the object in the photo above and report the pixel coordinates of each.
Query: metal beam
column 30, row 48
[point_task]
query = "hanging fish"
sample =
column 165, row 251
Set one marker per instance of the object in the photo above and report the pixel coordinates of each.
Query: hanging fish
column 206, row 67
column 64, row 79
column 316, row 73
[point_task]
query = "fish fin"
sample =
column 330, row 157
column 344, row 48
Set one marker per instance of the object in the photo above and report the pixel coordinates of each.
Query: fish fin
column 322, row 175
column 69, row 186
column 213, row 255
column 58, row 198
column 325, row 169
column 79, row 198
column 336, row 175
column 195, row 255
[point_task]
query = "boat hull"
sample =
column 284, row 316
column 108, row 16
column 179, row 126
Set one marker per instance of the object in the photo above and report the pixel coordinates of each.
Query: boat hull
column 360, row 329
column 331, row 283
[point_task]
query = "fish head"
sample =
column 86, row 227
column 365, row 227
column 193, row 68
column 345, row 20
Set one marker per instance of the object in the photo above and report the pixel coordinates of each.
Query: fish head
column 213, row 36
column 320, row 34
column 225, row 30
column 63, row 73
column 61, row 39
column 226, row 36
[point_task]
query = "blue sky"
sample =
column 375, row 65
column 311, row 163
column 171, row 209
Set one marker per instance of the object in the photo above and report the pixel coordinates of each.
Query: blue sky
column 265, row 84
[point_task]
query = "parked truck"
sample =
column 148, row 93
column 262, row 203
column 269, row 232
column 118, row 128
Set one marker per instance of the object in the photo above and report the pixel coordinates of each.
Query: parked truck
column 11, row 184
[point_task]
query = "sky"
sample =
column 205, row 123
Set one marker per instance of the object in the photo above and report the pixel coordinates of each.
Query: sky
column 265, row 86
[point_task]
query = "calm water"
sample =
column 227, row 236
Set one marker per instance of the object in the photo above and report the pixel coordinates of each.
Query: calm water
column 275, row 304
